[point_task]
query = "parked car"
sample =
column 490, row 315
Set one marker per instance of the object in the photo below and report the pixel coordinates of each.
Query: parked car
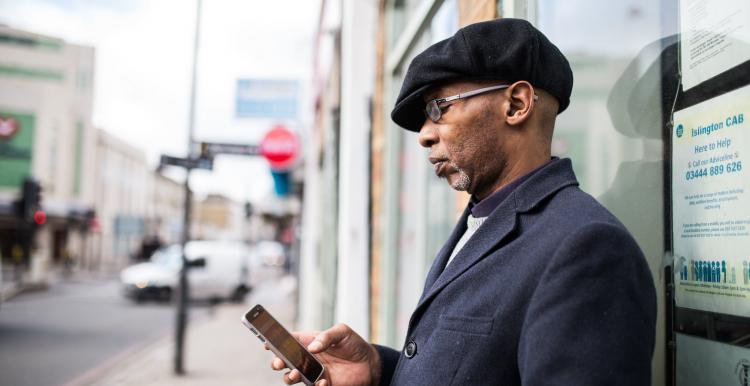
column 217, row 270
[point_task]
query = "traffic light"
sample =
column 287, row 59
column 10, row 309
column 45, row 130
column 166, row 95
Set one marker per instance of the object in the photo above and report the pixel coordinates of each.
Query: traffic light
column 31, row 201
column 40, row 218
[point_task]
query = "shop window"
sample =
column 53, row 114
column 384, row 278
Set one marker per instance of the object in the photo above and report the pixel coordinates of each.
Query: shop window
column 657, row 132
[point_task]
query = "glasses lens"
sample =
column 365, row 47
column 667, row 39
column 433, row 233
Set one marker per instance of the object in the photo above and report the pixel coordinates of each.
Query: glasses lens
column 433, row 111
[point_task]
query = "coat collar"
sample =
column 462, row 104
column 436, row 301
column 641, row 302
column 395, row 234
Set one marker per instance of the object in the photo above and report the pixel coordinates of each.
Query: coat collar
column 557, row 174
column 484, row 207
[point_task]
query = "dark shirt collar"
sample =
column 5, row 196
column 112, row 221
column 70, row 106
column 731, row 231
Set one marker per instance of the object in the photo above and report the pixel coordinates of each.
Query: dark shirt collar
column 485, row 207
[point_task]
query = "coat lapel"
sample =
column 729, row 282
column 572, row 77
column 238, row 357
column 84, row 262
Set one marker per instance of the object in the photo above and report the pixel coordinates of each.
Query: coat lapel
column 442, row 256
column 494, row 230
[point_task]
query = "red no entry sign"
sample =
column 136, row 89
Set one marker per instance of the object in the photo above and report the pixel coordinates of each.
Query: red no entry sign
column 280, row 147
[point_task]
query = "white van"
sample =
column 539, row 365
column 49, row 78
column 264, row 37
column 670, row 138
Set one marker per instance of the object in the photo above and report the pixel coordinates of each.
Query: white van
column 218, row 270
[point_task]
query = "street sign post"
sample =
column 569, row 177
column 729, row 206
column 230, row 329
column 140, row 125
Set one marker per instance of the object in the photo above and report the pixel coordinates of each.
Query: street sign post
column 205, row 163
column 211, row 149
column 201, row 162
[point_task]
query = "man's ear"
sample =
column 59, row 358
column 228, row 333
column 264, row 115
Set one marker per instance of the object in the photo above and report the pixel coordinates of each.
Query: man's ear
column 520, row 102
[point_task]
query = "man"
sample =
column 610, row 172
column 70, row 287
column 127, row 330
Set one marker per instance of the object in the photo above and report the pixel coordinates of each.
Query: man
column 538, row 284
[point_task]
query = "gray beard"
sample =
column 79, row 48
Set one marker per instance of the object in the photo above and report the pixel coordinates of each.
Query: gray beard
column 463, row 181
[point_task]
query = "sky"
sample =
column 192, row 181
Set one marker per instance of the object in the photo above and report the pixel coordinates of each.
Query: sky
column 144, row 62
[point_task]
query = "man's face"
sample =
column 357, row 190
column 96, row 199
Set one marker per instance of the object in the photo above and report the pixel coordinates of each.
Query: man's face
column 467, row 143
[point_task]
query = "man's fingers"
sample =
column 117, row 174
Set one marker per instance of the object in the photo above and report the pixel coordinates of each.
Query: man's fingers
column 277, row 364
column 321, row 383
column 292, row 377
column 329, row 337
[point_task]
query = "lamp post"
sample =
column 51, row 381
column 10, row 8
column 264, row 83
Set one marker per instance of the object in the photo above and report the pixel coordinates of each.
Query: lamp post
column 183, row 294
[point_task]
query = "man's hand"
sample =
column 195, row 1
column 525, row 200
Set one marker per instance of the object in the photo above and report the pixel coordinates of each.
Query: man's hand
column 349, row 360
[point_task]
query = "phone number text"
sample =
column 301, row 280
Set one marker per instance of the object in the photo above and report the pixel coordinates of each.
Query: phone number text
column 730, row 167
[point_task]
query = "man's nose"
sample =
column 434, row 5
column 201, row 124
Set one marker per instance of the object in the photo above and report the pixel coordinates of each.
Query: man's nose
column 428, row 134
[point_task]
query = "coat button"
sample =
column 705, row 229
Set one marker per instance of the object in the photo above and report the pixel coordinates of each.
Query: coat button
column 411, row 349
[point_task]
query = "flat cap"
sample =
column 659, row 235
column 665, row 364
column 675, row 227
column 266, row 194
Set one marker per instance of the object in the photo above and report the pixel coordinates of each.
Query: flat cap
column 501, row 49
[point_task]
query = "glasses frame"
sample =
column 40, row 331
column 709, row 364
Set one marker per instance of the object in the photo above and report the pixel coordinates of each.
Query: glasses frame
column 434, row 109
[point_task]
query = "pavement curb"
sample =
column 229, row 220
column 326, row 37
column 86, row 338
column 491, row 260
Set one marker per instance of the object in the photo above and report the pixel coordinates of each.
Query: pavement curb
column 15, row 289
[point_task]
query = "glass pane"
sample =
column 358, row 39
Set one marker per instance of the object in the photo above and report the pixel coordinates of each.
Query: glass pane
column 636, row 84
column 613, row 128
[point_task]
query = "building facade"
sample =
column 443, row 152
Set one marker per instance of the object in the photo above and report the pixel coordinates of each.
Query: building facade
column 217, row 217
column 653, row 82
column 125, row 189
column 168, row 199
column 46, row 90
column 320, row 210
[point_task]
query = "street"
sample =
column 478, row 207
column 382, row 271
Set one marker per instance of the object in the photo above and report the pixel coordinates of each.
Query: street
column 54, row 336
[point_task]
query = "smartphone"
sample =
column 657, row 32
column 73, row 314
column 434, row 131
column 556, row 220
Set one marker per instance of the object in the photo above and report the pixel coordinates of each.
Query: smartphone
column 283, row 344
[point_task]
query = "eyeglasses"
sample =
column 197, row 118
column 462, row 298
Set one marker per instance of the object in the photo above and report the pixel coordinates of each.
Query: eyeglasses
column 434, row 108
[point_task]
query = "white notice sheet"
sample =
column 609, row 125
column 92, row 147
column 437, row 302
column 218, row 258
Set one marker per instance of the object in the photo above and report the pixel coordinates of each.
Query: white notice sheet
column 711, row 204
column 715, row 37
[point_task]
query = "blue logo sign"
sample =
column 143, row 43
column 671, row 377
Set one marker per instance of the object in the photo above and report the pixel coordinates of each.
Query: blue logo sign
column 680, row 130
column 267, row 98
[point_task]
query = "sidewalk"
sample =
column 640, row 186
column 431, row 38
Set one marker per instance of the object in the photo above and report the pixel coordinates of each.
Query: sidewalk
column 218, row 350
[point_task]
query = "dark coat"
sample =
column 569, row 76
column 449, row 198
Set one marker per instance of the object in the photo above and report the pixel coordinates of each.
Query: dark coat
column 550, row 290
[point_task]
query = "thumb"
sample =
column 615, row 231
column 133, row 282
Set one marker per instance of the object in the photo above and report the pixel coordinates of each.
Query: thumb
column 329, row 337
column 305, row 337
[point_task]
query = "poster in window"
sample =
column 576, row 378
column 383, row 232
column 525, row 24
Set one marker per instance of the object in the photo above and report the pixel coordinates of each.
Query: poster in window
column 715, row 38
column 711, row 204
column 703, row 362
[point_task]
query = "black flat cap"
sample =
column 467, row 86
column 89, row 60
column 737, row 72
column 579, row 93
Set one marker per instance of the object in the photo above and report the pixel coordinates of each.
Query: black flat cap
column 501, row 49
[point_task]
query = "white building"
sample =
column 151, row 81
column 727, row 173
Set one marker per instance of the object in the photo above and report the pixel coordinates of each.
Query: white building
column 335, row 245
column 217, row 217
column 45, row 106
column 168, row 201
column 124, row 201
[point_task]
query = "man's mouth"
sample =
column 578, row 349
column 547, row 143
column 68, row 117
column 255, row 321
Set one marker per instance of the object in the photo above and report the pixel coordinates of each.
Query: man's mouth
column 439, row 164
column 439, row 167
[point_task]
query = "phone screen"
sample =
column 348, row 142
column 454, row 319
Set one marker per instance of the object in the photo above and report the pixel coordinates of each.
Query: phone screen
column 284, row 342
